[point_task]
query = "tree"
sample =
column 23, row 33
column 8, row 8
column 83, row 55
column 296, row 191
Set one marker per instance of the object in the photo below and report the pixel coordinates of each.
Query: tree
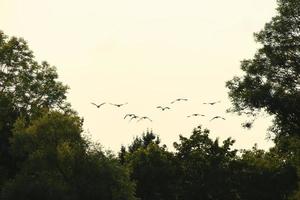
column 26, row 83
column 272, row 78
column 27, row 88
column 263, row 175
column 141, row 142
column 210, row 170
column 151, row 167
column 205, row 167
column 56, row 162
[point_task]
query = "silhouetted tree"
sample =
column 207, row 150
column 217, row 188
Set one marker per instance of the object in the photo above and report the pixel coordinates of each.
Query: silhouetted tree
column 272, row 78
column 263, row 175
column 205, row 167
column 146, row 139
column 152, row 168
column 26, row 88
column 271, row 81
column 55, row 162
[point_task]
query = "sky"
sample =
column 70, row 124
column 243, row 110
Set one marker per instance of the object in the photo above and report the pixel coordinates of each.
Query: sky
column 146, row 53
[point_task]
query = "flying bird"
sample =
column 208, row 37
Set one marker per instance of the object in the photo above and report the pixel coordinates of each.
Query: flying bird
column 118, row 105
column 98, row 105
column 195, row 115
column 180, row 99
column 142, row 118
column 129, row 115
column 134, row 117
column 212, row 103
column 217, row 117
column 163, row 108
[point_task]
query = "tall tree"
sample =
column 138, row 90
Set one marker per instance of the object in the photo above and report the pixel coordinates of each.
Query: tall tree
column 26, row 89
column 151, row 167
column 55, row 162
column 271, row 81
column 272, row 78
column 205, row 167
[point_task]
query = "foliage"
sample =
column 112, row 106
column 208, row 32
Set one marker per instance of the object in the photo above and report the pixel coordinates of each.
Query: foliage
column 272, row 78
column 264, row 175
column 205, row 165
column 27, row 89
column 54, row 162
column 152, row 168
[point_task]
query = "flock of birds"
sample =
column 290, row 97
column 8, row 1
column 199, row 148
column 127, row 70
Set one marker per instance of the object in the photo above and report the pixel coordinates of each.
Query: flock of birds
column 132, row 116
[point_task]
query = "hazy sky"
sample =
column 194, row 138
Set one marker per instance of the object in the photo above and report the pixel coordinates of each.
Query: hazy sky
column 146, row 53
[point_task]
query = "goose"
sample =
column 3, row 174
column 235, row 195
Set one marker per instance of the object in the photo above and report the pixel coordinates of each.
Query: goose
column 212, row 103
column 98, row 105
column 217, row 117
column 179, row 99
column 163, row 108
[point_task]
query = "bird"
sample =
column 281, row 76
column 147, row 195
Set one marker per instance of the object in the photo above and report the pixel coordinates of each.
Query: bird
column 217, row 117
column 129, row 115
column 163, row 108
column 133, row 117
column 99, row 105
column 142, row 118
column 212, row 103
column 118, row 105
column 195, row 115
column 179, row 99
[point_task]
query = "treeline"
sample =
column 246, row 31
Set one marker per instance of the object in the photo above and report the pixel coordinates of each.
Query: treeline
column 44, row 154
column 202, row 168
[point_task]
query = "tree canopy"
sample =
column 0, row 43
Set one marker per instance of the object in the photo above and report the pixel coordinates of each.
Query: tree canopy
column 44, row 154
column 271, row 79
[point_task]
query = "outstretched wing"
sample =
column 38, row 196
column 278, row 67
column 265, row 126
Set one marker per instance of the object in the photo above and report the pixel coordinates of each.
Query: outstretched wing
column 94, row 104
column 101, row 104
column 148, row 119
column 133, row 117
column 213, row 118
column 128, row 115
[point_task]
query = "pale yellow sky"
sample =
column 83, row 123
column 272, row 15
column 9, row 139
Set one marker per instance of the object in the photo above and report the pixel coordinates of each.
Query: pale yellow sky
column 146, row 53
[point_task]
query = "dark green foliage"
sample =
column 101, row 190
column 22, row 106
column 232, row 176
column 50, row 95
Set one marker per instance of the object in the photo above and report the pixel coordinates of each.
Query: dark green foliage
column 202, row 168
column 205, row 166
column 152, row 168
column 27, row 88
column 272, row 78
column 271, row 81
column 42, row 152
column 55, row 162
column 146, row 139
column 264, row 175
column 27, row 84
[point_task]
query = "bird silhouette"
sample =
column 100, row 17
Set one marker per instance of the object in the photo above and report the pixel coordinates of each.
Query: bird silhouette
column 212, row 103
column 195, row 115
column 118, row 105
column 217, row 117
column 129, row 115
column 133, row 117
column 179, row 99
column 163, row 108
column 98, row 105
column 142, row 118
